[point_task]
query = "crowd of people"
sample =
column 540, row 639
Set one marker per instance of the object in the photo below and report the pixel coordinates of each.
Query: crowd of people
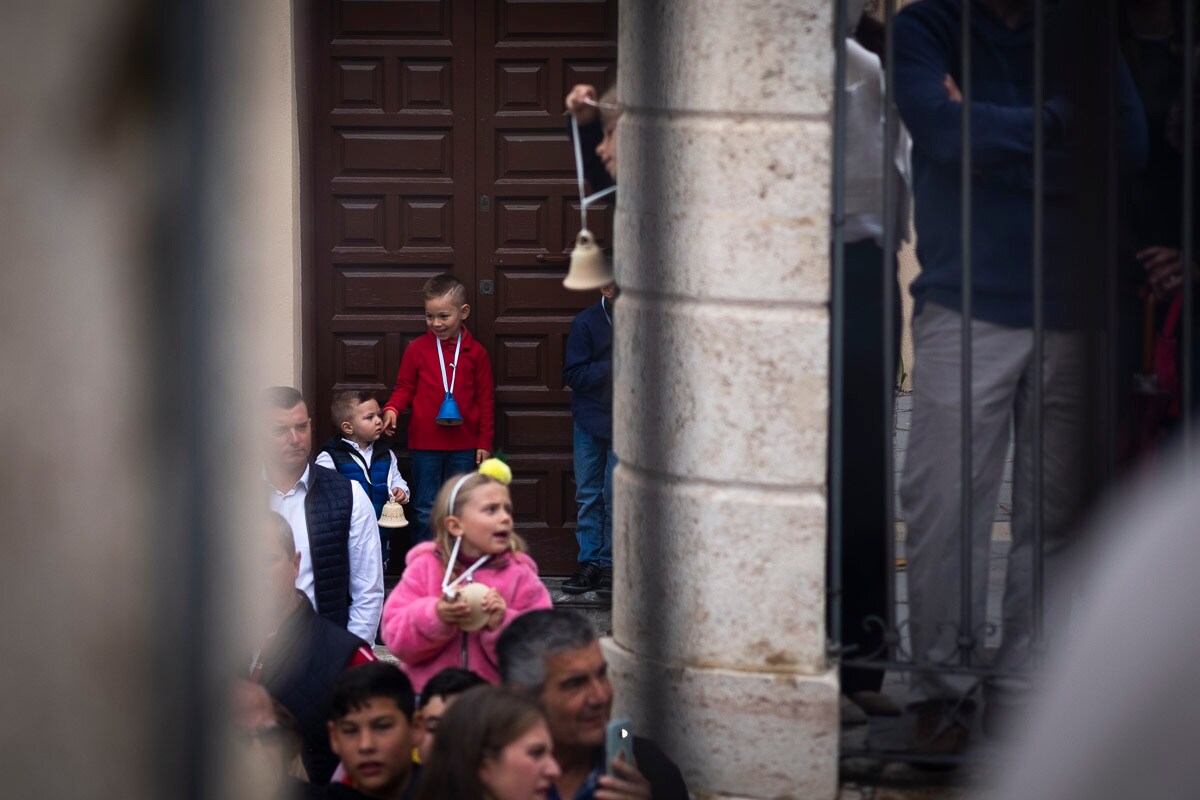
column 499, row 695
column 496, row 694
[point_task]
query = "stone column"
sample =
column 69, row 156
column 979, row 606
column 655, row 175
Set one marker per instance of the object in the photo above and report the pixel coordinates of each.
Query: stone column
column 722, row 241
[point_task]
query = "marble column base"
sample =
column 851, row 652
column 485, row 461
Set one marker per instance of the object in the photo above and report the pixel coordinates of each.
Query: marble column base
column 736, row 733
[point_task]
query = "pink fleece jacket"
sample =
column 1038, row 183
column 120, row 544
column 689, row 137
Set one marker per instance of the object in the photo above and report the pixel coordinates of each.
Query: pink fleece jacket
column 425, row 644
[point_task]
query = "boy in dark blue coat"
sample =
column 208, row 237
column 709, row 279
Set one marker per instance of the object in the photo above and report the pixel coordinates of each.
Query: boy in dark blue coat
column 588, row 371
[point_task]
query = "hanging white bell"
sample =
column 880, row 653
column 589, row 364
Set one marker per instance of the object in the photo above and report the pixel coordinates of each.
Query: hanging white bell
column 392, row 515
column 589, row 268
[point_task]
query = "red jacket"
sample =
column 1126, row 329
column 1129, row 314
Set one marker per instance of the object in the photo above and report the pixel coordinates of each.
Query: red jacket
column 419, row 383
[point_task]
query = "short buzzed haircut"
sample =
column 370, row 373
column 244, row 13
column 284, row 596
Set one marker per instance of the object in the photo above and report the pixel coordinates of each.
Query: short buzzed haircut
column 281, row 398
column 534, row 636
column 283, row 533
column 344, row 403
column 442, row 285
column 450, row 682
column 359, row 685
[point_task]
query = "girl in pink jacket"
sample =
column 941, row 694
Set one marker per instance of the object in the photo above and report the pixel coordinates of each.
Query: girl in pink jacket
column 459, row 591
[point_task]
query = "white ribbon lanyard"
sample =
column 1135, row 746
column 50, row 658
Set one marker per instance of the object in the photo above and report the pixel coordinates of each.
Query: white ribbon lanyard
column 449, row 587
column 584, row 202
column 449, row 387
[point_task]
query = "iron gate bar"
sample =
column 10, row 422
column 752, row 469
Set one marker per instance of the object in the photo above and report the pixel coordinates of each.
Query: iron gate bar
column 1113, row 383
column 897, row 665
column 1039, row 169
column 1189, row 150
column 966, row 638
column 888, row 275
column 890, row 655
column 837, row 328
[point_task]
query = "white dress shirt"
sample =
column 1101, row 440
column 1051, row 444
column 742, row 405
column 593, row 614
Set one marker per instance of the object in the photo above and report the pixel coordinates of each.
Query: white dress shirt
column 865, row 131
column 394, row 478
column 366, row 560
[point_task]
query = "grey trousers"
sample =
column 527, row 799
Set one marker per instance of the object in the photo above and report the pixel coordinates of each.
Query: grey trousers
column 1002, row 391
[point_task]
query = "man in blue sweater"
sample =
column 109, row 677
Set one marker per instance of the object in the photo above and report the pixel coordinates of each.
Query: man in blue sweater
column 928, row 74
column 588, row 371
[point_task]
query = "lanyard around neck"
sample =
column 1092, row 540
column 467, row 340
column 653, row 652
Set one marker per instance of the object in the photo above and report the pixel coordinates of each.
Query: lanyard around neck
column 584, row 201
column 451, row 586
column 449, row 387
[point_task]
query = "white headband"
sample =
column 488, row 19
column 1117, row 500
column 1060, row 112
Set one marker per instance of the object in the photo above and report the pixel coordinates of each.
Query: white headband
column 447, row 585
column 454, row 492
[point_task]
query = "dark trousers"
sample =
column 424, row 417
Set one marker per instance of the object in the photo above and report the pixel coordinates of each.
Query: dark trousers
column 867, row 404
column 430, row 469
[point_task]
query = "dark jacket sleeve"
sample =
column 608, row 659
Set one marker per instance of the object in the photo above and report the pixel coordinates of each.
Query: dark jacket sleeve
column 666, row 781
column 581, row 371
column 1133, row 136
column 1000, row 135
column 594, row 172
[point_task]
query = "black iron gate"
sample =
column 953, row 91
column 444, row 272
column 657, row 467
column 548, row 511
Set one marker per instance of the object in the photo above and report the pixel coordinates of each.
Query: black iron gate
column 1107, row 262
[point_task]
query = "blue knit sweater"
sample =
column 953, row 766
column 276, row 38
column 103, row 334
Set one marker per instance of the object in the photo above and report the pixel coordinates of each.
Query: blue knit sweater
column 928, row 47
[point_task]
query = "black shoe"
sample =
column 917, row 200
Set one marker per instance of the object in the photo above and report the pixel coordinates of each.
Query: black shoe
column 585, row 580
column 604, row 587
column 937, row 734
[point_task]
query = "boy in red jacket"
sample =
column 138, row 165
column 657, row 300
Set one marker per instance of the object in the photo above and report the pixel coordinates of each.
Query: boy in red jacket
column 447, row 362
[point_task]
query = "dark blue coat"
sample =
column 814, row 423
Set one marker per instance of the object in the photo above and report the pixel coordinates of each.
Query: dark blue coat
column 928, row 46
column 301, row 664
column 588, row 369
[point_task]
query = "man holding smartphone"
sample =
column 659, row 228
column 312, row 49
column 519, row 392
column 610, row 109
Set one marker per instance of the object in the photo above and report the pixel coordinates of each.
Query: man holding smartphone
column 556, row 656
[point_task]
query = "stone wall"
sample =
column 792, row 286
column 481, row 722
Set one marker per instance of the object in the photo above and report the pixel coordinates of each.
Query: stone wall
column 722, row 242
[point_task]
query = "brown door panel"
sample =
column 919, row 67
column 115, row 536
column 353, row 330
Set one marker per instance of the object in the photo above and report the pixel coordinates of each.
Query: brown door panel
column 528, row 57
column 439, row 144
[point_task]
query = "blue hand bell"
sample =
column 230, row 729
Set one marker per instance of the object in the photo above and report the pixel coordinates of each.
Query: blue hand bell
column 449, row 413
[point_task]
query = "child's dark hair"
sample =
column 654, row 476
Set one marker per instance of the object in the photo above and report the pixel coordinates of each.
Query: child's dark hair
column 450, row 682
column 344, row 403
column 442, row 285
column 360, row 685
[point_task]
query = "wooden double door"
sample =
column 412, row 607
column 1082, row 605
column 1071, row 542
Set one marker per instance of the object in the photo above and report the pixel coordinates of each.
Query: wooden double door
column 438, row 144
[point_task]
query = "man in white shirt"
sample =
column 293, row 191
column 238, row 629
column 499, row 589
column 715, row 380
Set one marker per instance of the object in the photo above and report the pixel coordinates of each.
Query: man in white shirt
column 333, row 522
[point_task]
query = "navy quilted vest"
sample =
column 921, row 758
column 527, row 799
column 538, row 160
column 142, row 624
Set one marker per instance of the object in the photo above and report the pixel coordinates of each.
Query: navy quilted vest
column 346, row 459
column 327, row 507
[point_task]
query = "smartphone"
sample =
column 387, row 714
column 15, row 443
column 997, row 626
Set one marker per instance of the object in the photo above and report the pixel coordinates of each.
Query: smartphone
column 618, row 740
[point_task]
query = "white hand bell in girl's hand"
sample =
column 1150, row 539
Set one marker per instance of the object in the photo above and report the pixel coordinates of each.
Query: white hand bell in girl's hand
column 474, row 594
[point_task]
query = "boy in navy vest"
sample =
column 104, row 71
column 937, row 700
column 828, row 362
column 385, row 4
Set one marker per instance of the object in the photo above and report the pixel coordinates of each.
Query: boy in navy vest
column 588, row 371
column 353, row 454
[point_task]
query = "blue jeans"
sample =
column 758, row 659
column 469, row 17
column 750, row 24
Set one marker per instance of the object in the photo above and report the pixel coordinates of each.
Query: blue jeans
column 594, row 462
column 430, row 469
